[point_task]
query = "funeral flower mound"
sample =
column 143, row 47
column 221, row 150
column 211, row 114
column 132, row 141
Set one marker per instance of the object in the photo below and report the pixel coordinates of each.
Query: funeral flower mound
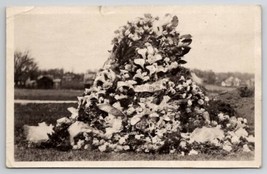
column 144, row 100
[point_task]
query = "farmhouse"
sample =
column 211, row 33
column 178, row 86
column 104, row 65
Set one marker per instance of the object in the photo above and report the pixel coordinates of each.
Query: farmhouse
column 30, row 83
column 231, row 81
column 45, row 82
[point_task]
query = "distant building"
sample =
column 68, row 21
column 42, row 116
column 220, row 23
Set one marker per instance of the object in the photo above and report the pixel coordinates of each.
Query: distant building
column 231, row 81
column 45, row 82
column 68, row 77
column 250, row 83
column 236, row 82
column 57, row 83
column 89, row 79
column 30, row 83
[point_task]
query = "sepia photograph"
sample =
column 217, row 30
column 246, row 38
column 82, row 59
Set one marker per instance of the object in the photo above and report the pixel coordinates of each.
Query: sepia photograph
column 133, row 87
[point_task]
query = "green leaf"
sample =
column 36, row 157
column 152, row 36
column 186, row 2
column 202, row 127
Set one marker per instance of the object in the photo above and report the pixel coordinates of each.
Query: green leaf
column 181, row 51
column 175, row 21
column 185, row 40
column 182, row 62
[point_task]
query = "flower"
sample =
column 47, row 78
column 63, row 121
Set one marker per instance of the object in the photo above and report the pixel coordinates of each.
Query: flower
column 135, row 119
column 139, row 62
column 200, row 101
column 246, row 148
column 38, row 134
column 152, row 69
column 182, row 144
column 63, row 120
column 150, row 49
column 227, row 147
column 74, row 112
column 193, row 152
column 142, row 52
column 241, row 132
column 189, row 103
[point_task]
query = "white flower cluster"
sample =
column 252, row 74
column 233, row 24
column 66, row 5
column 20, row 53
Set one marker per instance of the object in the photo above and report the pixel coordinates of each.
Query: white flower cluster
column 143, row 100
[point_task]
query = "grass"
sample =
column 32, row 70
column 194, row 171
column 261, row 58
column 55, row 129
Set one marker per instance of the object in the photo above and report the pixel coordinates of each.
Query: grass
column 216, row 88
column 47, row 94
column 31, row 154
column 32, row 114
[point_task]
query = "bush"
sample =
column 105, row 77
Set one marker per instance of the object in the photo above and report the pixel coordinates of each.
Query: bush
column 245, row 91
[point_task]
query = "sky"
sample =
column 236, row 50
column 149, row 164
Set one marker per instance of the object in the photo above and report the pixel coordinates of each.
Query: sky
column 79, row 39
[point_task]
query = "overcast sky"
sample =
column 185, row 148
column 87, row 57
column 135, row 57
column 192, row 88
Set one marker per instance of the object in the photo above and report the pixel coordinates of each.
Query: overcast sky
column 223, row 38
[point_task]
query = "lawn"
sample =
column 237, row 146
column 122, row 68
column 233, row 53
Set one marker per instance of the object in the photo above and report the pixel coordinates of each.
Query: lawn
column 47, row 94
column 32, row 114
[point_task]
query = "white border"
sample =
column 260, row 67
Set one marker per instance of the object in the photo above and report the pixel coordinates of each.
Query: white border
column 10, row 162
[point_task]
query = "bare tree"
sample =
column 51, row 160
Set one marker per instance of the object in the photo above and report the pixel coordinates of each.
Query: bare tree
column 24, row 66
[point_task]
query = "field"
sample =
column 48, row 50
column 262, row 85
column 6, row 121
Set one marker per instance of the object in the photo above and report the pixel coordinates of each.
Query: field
column 31, row 114
column 47, row 94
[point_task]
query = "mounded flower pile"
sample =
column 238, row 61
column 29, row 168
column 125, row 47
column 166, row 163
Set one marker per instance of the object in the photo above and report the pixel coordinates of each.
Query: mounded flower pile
column 144, row 100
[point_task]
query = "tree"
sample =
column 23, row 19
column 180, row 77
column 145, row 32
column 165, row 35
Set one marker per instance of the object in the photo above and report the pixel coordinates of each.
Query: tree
column 25, row 67
column 56, row 72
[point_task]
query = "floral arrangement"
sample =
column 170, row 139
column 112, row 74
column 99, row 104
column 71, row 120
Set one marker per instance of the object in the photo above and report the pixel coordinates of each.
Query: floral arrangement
column 144, row 100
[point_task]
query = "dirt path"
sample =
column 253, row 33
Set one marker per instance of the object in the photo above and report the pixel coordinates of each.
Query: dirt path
column 44, row 101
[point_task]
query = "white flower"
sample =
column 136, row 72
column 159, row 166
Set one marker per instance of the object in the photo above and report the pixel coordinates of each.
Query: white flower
column 179, row 87
column 227, row 147
column 95, row 142
column 122, row 140
column 154, row 114
column 80, row 143
column 126, row 147
column 188, row 82
column 173, row 65
column 193, row 152
column 134, row 36
column 206, row 99
column 241, row 132
column 121, row 96
column 206, row 134
column 142, row 52
column 74, row 112
column 150, row 49
column 130, row 111
column 182, row 78
column 172, row 151
column 86, row 146
column 200, row 101
column 118, row 106
column 140, row 62
column 206, row 116
column 167, row 60
column 103, row 148
column 135, row 119
column 76, row 128
column 189, row 103
column 246, row 148
column 138, row 137
column 250, row 139
column 152, row 69
column 235, row 139
column 182, row 144
column 38, row 134
column 63, row 120
column 214, row 123
column 221, row 116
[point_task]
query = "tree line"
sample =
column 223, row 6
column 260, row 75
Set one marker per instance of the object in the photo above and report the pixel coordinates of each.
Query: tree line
column 25, row 67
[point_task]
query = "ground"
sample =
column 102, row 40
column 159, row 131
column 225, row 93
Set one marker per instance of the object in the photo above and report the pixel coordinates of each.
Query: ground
column 32, row 114
column 47, row 94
